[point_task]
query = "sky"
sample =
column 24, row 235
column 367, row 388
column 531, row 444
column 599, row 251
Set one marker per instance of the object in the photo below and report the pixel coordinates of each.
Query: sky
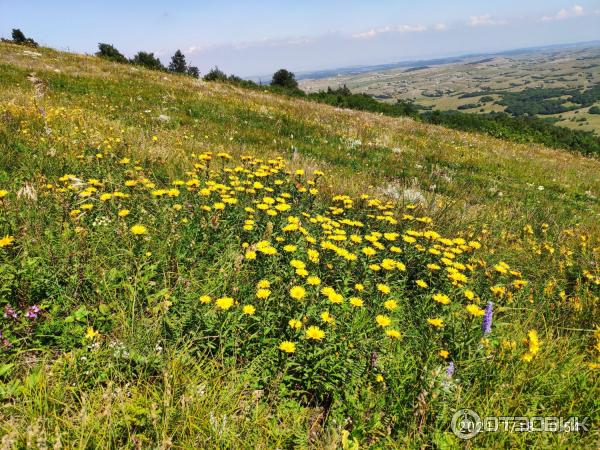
column 251, row 38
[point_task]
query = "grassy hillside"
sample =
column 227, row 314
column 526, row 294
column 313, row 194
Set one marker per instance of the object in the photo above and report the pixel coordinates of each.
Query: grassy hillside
column 189, row 265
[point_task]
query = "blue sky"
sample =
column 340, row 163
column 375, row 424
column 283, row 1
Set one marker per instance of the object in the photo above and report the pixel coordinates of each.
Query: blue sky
column 254, row 38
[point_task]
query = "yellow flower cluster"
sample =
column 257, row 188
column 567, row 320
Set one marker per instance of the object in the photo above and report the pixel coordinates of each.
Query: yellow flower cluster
column 329, row 262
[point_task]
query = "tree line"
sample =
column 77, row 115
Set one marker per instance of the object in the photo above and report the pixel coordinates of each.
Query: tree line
column 19, row 38
column 178, row 63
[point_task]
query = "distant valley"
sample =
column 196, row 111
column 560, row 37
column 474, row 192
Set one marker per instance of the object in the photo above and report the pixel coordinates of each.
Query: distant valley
column 558, row 83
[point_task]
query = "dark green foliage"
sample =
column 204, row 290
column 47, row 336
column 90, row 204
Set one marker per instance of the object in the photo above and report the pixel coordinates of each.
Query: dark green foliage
column 147, row 60
column 501, row 125
column 476, row 93
column 18, row 37
column 539, row 100
column 344, row 98
column 193, row 71
column 285, row 79
column 108, row 51
column 535, row 101
column 469, row 106
column 594, row 110
column 588, row 97
column 178, row 63
column 215, row 74
column 519, row 129
column 544, row 101
column 234, row 79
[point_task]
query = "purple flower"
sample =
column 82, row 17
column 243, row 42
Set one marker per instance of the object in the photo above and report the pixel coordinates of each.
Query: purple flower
column 10, row 312
column 32, row 312
column 5, row 342
column 486, row 326
column 450, row 370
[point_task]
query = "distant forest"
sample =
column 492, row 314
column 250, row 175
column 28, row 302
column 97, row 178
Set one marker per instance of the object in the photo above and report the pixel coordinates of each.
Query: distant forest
column 542, row 101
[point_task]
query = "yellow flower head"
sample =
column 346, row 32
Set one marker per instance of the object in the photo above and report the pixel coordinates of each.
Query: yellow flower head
column 441, row 298
column 6, row 241
column 263, row 293
column 295, row 324
column 296, row 264
column 263, row 284
column 357, row 302
column 315, row 333
column 326, row 317
column 249, row 310
column 438, row 323
column 394, row 334
column 287, row 347
column 224, row 303
column 335, row 297
column 475, row 310
column 391, row 305
column 138, row 229
column 313, row 280
column 383, row 321
column 384, row 288
column 297, row 292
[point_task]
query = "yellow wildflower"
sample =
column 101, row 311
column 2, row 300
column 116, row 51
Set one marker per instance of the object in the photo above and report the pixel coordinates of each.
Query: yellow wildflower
column 138, row 229
column 224, row 303
column 438, row 323
column 287, row 347
column 249, row 310
column 315, row 333
column 297, row 292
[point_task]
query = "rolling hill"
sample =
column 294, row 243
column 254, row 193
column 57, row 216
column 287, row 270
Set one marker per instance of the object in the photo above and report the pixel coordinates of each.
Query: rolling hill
column 186, row 264
column 557, row 83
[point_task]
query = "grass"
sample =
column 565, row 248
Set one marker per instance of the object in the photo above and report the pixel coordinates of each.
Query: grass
column 127, row 350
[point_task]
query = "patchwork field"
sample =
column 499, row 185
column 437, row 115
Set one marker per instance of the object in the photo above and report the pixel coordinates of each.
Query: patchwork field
column 186, row 264
column 483, row 84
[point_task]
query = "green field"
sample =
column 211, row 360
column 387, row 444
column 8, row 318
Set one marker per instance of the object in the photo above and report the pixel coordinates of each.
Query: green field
column 187, row 264
column 444, row 86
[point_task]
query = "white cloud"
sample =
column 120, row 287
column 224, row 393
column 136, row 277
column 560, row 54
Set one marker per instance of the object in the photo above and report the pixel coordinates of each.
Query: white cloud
column 395, row 29
column 241, row 45
column 441, row 27
column 486, row 20
column 574, row 11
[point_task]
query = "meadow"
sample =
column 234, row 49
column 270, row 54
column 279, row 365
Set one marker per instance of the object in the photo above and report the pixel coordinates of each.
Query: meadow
column 187, row 264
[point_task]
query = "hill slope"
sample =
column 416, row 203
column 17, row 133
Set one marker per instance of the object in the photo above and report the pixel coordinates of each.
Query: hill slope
column 168, row 334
